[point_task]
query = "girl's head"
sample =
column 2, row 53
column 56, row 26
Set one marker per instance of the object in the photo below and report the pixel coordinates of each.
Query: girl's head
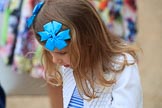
column 91, row 48
column 86, row 29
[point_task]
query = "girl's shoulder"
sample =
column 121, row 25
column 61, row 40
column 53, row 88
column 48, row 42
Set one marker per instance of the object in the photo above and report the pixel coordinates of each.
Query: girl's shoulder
column 130, row 70
column 125, row 56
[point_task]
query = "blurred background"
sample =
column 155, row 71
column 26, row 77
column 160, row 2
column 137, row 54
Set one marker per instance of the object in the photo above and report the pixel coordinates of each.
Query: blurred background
column 25, row 86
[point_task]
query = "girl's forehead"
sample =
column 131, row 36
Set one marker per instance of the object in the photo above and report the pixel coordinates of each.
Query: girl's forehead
column 56, row 50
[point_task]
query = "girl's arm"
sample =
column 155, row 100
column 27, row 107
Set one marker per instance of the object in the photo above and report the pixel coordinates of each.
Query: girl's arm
column 55, row 95
column 127, row 91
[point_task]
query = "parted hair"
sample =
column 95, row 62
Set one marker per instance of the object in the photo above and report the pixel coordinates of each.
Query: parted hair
column 92, row 47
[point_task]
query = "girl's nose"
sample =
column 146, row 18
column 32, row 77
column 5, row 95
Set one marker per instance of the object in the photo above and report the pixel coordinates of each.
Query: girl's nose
column 57, row 60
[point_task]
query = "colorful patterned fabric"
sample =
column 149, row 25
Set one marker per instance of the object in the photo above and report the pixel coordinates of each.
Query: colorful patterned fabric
column 27, row 52
column 18, row 46
column 119, row 16
column 8, row 31
column 3, row 5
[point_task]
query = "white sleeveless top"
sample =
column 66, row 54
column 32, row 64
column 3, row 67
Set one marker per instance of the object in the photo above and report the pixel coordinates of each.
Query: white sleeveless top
column 125, row 93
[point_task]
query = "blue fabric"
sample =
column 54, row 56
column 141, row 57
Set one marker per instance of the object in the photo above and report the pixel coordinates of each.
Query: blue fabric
column 2, row 98
column 53, row 36
column 34, row 14
column 76, row 101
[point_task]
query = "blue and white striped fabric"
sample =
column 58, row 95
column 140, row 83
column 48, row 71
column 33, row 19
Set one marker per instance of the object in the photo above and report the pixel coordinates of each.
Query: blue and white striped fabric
column 76, row 101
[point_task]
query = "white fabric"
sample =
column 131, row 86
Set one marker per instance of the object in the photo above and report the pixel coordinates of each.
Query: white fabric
column 125, row 93
column 76, row 101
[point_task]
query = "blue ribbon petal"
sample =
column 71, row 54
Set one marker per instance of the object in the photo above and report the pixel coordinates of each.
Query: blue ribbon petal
column 44, row 35
column 50, row 44
column 49, row 28
column 60, row 44
column 57, row 26
column 64, row 34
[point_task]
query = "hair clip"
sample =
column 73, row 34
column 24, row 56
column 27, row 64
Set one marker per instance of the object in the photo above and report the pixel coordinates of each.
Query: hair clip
column 53, row 36
column 34, row 14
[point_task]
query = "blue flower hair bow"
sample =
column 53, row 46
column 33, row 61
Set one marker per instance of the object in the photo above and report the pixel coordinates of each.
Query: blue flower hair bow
column 34, row 14
column 52, row 36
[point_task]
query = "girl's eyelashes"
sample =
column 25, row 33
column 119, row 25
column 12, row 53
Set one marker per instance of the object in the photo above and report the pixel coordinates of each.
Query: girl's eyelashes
column 62, row 53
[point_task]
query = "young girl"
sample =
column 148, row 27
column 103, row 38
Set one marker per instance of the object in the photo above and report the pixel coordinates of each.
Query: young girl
column 89, row 66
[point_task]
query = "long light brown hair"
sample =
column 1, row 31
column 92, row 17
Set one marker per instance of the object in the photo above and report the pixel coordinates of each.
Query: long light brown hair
column 92, row 48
